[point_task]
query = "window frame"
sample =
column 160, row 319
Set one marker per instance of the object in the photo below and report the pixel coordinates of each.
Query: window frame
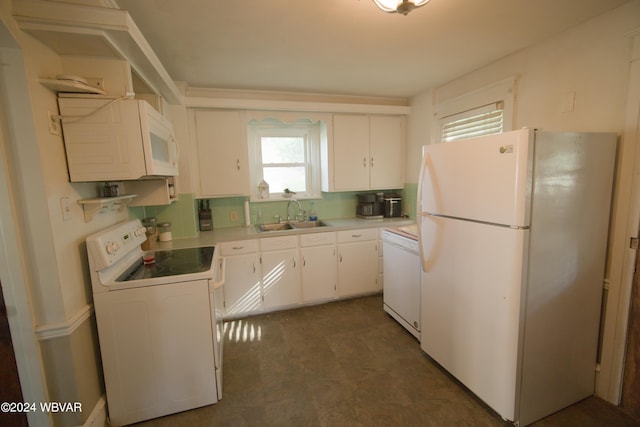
column 271, row 127
column 500, row 94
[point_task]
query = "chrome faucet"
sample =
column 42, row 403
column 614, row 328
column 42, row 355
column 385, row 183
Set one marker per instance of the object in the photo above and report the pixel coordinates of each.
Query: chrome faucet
column 297, row 213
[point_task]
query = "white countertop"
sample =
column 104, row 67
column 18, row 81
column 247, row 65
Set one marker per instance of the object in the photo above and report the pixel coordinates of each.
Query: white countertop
column 225, row 234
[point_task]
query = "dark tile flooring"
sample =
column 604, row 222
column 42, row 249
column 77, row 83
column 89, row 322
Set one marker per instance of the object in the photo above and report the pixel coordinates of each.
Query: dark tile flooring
column 348, row 363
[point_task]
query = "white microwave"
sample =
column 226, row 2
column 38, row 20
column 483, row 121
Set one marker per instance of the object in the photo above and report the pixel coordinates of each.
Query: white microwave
column 116, row 139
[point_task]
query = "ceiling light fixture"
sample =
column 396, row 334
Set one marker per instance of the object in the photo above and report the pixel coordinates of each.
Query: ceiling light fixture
column 399, row 6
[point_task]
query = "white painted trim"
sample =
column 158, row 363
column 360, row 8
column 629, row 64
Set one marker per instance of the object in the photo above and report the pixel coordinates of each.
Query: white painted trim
column 609, row 385
column 66, row 328
column 98, row 416
column 12, row 258
column 302, row 106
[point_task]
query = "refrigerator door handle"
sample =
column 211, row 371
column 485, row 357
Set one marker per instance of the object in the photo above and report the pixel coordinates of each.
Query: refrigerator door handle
column 419, row 213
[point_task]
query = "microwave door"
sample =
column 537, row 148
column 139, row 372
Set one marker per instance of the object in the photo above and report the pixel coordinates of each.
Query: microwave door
column 161, row 149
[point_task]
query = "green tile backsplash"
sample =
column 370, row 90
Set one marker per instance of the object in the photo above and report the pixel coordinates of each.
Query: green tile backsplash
column 229, row 211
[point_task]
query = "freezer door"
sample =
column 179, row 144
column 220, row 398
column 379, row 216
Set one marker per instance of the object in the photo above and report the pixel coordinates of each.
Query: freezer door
column 484, row 179
column 471, row 296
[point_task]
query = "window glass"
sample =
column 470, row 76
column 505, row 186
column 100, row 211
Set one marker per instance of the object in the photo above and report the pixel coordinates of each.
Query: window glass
column 282, row 149
column 286, row 156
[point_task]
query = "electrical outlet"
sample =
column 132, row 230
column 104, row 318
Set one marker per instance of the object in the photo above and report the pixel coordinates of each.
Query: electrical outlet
column 54, row 124
column 97, row 82
column 233, row 216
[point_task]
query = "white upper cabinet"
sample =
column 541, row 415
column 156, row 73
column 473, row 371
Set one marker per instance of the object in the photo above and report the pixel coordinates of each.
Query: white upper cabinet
column 221, row 149
column 350, row 152
column 387, row 148
column 367, row 153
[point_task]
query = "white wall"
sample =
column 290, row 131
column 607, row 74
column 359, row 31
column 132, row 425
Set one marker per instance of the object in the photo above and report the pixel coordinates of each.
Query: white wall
column 588, row 63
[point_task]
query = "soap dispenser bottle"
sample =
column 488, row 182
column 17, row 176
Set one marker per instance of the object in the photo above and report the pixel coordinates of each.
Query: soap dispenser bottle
column 312, row 214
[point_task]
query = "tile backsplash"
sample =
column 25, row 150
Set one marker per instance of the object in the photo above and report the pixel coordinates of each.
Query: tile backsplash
column 229, row 211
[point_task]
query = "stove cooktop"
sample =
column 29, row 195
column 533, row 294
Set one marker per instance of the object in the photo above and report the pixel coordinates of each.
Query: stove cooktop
column 171, row 263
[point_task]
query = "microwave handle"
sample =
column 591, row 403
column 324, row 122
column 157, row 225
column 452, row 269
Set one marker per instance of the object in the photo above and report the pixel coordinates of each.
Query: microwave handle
column 176, row 146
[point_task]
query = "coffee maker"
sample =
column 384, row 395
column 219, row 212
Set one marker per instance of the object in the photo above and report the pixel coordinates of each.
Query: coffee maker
column 392, row 206
column 370, row 206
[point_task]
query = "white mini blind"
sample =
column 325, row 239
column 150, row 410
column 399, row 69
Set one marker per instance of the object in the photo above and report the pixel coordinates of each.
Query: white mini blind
column 485, row 120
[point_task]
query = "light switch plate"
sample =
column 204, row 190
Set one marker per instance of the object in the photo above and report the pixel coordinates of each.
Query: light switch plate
column 54, row 123
column 66, row 209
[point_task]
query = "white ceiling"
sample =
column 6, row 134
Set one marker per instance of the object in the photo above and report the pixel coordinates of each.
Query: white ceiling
column 346, row 47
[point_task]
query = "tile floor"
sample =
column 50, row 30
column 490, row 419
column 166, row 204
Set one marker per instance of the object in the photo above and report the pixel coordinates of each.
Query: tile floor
column 348, row 363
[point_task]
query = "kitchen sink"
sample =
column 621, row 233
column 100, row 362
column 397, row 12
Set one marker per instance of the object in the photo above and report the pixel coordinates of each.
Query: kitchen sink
column 309, row 224
column 274, row 227
column 282, row 226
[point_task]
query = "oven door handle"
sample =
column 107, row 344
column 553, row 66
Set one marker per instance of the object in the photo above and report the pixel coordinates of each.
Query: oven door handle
column 222, row 268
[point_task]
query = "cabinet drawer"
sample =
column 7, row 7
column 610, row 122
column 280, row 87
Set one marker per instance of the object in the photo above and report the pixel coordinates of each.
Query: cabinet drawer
column 357, row 235
column 239, row 247
column 276, row 243
column 317, row 239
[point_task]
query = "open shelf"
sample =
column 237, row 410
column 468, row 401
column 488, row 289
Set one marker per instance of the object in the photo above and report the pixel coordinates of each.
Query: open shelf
column 97, row 205
column 71, row 86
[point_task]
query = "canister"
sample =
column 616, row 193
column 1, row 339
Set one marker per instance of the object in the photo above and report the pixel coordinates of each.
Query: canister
column 164, row 232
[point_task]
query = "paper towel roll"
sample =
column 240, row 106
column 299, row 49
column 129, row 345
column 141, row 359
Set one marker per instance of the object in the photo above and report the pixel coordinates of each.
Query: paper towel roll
column 247, row 218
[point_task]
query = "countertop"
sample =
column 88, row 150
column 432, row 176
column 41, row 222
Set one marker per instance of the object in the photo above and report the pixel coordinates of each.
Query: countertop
column 225, row 234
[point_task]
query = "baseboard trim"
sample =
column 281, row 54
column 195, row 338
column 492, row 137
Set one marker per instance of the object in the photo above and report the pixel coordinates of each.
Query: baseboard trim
column 98, row 417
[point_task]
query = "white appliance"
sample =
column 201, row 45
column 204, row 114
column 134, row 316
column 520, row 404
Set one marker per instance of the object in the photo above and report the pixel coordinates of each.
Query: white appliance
column 513, row 231
column 113, row 139
column 159, row 324
column 402, row 276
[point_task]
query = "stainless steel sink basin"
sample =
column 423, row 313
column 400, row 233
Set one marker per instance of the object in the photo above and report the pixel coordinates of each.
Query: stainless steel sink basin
column 309, row 224
column 274, row 227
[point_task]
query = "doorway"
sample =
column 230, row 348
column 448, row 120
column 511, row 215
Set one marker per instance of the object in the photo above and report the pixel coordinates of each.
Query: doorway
column 10, row 390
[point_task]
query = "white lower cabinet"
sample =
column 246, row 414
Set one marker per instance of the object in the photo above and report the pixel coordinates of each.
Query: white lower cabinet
column 273, row 273
column 280, row 272
column 319, row 266
column 358, row 269
column 242, row 293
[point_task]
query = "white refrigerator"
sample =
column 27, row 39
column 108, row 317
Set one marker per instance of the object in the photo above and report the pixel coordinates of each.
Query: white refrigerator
column 513, row 232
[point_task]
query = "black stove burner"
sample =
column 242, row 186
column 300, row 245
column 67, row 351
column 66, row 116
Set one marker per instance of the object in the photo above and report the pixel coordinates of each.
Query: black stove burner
column 171, row 263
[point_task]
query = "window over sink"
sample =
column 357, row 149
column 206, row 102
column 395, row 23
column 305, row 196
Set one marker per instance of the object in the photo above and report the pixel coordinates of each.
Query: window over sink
column 286, row 155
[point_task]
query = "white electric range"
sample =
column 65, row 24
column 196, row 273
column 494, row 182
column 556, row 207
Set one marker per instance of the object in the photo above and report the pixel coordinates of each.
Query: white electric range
column 159, row 324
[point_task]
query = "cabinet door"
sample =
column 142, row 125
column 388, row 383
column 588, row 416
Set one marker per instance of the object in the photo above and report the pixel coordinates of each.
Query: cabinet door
column 242, row 285
column 222, row 153
column 319, row 273
column 387, row 152
column 280, row 278
column 357, row 268
column 351, row 152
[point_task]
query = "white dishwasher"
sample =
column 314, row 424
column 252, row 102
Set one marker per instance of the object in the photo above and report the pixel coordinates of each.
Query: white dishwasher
column 402, row 276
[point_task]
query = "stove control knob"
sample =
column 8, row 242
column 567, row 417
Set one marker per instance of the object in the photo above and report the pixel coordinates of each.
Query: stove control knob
column 140, row 231
column 112, row 247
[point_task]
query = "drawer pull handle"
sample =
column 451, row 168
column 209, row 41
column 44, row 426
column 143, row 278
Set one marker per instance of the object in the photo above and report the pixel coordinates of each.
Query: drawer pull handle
column 237, row 248
column 356, row 235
